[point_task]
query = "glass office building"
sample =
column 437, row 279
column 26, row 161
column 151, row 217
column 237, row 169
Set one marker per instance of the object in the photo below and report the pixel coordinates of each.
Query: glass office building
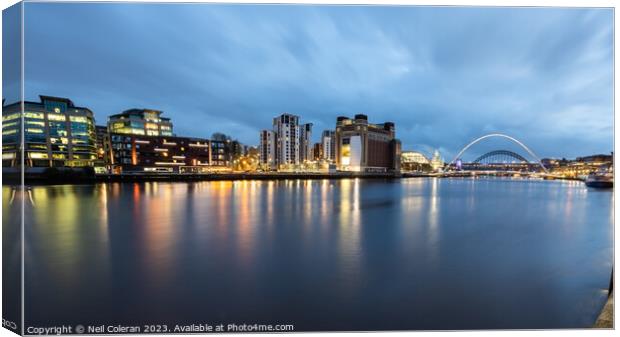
column 56, row 133
column 140, row 122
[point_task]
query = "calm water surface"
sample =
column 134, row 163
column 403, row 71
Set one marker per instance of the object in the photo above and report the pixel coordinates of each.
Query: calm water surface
column 320, row 254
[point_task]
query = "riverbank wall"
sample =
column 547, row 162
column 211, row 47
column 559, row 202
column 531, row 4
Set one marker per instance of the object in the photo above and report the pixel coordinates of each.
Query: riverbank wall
column 83, row 177
column 88, row 176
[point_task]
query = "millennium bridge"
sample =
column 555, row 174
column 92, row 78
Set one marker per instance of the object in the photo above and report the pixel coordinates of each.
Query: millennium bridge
column 501, row 162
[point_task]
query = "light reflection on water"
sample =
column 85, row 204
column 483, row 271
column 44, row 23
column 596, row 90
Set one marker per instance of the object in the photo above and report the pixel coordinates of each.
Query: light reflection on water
column 320, row 254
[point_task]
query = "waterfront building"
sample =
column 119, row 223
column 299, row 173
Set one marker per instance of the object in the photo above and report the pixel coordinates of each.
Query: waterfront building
column 317, row 152
column 580, row 167
column 328, row 143
column 237, row 149
column 267, row 155
column 138, row 153
column 286, row 137
column 287, row 146
column 144, row 122
column 414, row 161
column 596, row 159
column 366, row 147
column 56, row 133
column 103, row 145
column 437, row 162
column 305, row 142
column 221, row 154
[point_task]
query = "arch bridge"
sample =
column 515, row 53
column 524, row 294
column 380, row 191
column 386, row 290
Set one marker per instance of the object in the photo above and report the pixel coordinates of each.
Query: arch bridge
column 498, row 153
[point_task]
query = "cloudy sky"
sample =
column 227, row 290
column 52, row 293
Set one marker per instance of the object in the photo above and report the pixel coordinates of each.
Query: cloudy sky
column 444, row 75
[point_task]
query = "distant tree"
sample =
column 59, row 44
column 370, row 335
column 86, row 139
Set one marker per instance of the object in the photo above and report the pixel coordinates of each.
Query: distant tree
column 220, row 136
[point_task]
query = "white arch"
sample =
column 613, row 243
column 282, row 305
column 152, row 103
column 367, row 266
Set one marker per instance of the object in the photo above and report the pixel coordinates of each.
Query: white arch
column 502, row 136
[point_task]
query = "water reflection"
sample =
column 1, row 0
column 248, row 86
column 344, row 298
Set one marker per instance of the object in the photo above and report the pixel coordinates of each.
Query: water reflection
column 349, row 233
column 54, row 227
column 384, row 254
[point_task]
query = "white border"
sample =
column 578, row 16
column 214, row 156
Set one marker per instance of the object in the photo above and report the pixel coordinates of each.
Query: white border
column 481, row 3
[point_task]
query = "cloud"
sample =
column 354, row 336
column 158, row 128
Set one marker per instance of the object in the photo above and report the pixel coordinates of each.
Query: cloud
column 444, row 75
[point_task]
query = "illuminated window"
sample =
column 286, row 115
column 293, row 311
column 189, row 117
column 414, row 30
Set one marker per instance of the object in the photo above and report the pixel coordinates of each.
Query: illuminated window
column 35, row 115
column 38, row 123
column 37, row 155
column 10, row 117
column 55, row 117
column 80, row 119
column 7, row 125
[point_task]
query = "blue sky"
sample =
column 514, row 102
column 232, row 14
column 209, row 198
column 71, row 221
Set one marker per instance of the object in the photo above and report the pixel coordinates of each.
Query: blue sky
column 444, row 75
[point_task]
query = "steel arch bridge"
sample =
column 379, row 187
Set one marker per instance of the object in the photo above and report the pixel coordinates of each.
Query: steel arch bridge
column 500, row 156
column 498, row 135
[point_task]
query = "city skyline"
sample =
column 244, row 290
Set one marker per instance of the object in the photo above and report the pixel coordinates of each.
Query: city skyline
column 542, row 75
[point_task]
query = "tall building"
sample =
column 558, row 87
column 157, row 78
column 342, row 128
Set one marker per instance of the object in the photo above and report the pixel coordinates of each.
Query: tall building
column 144, row 122
column 104, row 148
column 267, row 149
column 305, row 142
column 365, row 147
column 328, row 142
column 56, row 133
column 317, row 152
column 221, row 153
column 288, row 145
column 286, row 129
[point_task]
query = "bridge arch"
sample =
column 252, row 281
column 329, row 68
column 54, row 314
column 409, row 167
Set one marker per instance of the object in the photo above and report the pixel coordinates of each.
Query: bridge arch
column 499, row 135
column 501, row 153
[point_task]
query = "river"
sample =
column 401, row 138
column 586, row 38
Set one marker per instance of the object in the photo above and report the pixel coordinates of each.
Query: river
column 351, row 254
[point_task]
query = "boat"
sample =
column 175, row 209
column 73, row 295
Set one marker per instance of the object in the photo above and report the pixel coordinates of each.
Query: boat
column 602, row 178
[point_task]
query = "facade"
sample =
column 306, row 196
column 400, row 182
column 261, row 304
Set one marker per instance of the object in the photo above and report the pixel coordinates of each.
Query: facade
column 237, row 149
column 143, row 122
column 317, row 152
column 103, row 145
column 328, row 142
column 580, row 167
column 414, row 161
column 288, row 146
column 137, row 153
column 287, row 133
column 597, row 159
column 267, row 150
column 305, row 142
column 365, row 147
column 221, row 154
column 56, row 133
